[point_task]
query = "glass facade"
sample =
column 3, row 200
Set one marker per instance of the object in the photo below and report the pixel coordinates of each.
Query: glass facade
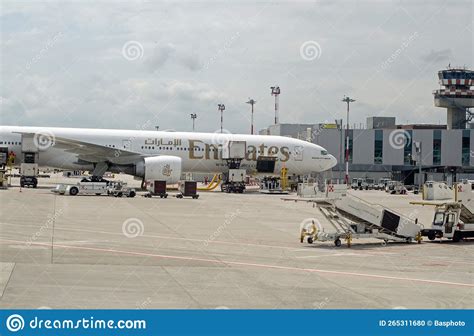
column 378, row 147
column 407, row 149
column 437, row 147
column 458, row 75
column 466, row 147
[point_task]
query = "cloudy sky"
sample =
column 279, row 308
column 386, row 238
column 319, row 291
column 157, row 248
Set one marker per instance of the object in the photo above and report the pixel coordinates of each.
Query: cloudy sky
column 139, row 64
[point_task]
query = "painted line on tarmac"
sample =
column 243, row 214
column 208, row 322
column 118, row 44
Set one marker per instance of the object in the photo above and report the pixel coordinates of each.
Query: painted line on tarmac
column 223, row 242
column 164, row 237
column 333, row 255
column 246, row 264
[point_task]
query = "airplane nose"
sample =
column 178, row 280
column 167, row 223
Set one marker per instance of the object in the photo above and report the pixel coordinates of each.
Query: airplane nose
column 332, row 162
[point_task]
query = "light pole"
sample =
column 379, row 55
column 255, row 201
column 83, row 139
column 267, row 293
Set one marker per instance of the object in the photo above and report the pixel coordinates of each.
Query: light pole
column 347, row 100
column 419, row 157
column 221, row 108
column 276, row 93
column 341, row 146
column 251, row 102
column 193, row 117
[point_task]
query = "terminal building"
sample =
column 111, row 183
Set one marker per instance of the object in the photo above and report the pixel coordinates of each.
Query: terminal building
column 385, row 149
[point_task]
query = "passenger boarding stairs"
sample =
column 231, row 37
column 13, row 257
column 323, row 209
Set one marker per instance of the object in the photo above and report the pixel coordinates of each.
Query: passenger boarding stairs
column 375, row 216
column 465, row 194
column 338, row 221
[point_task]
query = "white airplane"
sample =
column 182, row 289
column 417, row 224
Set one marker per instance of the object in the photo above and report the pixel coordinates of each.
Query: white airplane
column 159, row 155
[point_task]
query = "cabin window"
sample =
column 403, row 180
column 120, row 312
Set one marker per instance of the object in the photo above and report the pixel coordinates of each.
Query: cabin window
column 439, row 219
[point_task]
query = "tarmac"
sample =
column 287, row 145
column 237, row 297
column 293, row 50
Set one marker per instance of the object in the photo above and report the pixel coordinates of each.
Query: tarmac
column 219, row 251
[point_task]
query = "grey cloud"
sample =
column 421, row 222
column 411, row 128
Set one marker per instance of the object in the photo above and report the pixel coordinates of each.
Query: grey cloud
column 170, row 54
column 438, row 56
column 191, row 61
column 200, row 54
column 160, row 56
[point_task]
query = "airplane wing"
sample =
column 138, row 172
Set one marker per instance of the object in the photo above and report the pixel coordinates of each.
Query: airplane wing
column 90, row 152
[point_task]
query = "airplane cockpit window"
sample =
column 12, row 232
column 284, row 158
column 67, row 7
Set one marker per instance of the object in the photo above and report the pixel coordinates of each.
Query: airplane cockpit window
column 324, row 152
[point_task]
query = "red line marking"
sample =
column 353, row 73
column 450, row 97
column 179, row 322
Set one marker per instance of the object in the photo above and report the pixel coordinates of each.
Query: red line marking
column 237, row 263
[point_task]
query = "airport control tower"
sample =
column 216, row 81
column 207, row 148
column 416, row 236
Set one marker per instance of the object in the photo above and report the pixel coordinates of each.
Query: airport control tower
column 456, row 95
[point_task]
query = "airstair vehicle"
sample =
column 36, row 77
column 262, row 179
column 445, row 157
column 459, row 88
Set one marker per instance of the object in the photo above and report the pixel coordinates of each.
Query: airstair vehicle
column 435, row 191
column 453, row 219
column 354, row 218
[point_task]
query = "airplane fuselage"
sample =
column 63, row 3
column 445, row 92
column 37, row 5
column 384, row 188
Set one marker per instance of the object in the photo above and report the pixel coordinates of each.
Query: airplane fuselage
column 199, row 152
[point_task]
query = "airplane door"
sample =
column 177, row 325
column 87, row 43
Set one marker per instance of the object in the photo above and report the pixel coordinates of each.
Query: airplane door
column 298, row 153
column 126, row 144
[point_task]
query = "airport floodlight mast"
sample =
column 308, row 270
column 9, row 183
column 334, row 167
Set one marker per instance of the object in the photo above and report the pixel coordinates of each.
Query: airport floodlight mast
column 276, row 93
column 251, row 102
column 347, row 100
column 193, row 117
column 221, row 108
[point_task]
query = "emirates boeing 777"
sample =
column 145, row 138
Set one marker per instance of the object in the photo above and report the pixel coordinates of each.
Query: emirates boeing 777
column 159, row 155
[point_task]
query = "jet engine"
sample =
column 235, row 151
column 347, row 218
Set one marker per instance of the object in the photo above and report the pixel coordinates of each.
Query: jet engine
column 163, row 168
